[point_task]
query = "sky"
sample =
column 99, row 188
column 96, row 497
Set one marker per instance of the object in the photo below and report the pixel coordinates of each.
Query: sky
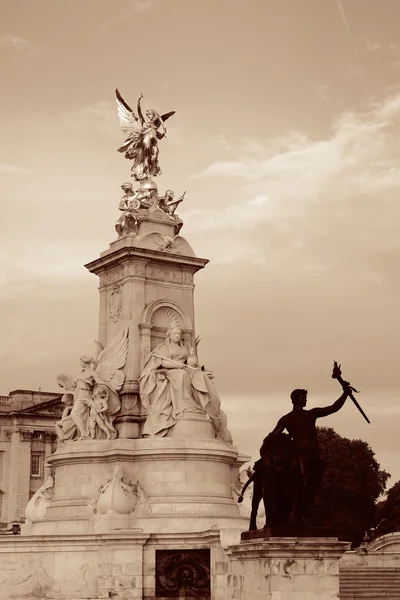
column 287, row 139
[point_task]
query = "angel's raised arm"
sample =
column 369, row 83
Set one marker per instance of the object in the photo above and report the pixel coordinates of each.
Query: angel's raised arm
column 139, row 109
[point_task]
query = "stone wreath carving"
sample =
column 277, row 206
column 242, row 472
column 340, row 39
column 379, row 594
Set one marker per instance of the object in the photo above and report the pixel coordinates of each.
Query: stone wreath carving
column 115, row 303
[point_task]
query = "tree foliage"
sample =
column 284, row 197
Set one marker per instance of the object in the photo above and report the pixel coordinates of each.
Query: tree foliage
column 387, row 517
column 353, row 480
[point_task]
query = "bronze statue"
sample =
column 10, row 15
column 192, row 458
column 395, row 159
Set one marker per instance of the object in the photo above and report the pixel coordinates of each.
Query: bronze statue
column 275, row 480
column 127, row 224
column 290, row 470
column 168, row 204
column 141, row 145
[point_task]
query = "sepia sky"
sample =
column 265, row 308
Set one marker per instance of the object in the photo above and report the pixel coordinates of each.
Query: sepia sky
column 287, row 140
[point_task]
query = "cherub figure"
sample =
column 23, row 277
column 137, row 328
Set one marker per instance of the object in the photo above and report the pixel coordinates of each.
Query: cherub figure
column 98, row 414
column 141, row 145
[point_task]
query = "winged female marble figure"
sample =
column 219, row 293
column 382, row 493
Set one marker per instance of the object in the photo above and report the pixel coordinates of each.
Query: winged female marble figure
column 95, row 393
column 141, row 145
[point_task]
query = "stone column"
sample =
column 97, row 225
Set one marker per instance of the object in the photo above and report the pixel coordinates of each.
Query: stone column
column 145, row 339
column 19, row 473
column 48, row 438
column 285, row 568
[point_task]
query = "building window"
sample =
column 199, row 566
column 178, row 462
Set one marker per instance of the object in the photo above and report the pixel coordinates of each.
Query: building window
column 37, row 435
column 36, row 465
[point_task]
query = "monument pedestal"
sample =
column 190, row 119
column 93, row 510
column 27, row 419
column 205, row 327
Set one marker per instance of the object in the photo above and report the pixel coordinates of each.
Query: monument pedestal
column 178, row 483
column 286, row 568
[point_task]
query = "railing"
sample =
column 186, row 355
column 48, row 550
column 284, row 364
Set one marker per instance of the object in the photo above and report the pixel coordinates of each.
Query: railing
column 4, row 399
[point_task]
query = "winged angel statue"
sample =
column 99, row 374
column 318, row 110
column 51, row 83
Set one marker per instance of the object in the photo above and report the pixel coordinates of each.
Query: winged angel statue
column 91, row 399
column 141, row 145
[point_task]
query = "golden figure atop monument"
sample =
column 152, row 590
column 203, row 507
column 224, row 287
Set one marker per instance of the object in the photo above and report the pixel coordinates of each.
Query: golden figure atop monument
column 141, row 145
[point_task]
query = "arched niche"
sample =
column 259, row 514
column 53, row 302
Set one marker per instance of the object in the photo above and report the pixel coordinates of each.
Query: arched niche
column 157, row 318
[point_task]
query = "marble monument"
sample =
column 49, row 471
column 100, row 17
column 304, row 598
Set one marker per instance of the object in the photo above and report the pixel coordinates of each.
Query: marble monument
column 141, row 498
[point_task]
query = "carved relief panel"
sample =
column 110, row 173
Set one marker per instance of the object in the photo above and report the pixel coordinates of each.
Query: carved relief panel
column 117, row 275
column 167, row 275
column 115, row 303
column 183, row 574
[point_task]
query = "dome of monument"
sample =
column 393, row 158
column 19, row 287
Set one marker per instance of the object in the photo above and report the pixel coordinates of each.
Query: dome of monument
column 148, row 184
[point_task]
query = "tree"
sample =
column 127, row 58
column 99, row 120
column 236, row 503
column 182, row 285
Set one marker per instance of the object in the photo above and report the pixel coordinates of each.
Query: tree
column 387, row 517
column 353, row 480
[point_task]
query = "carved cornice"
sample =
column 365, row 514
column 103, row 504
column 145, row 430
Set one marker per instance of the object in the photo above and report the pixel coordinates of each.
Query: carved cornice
column 34, row 543
column 129, row 255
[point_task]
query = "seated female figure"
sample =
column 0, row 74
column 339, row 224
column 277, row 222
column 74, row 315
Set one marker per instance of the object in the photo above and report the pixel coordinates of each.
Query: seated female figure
column 169, row 387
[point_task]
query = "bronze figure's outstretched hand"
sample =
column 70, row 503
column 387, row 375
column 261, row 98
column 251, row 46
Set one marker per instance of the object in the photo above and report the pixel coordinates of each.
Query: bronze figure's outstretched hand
column 347, row 388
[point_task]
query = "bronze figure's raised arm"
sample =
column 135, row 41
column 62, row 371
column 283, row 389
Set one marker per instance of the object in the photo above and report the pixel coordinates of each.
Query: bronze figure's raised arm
column 141, row 145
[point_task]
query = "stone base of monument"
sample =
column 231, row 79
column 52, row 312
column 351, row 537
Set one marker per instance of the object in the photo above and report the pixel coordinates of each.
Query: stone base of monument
column 130, row 564
column 285, row 568
column 137, row 518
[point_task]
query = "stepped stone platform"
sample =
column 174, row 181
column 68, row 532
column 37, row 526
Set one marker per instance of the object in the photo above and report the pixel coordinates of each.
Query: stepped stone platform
column 369, row 583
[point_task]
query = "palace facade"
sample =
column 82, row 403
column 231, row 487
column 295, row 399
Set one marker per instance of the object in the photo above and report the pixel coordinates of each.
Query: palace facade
column 26, row 437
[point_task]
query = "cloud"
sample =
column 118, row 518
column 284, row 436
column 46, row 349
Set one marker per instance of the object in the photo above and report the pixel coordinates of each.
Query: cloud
column 99, row 116
column 131, row 9
column 143, row 6
column 324, row 92
column 372, row 45
column 300, row 195
column 311, row 250
column 14, row 169
column 387, row 51
column 360, row 158
column 19, row 44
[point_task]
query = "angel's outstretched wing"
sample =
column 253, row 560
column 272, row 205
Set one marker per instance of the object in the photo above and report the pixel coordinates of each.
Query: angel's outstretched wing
column 99, row 350
column 112, row 359
column 167, row 115
column 129, row 122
